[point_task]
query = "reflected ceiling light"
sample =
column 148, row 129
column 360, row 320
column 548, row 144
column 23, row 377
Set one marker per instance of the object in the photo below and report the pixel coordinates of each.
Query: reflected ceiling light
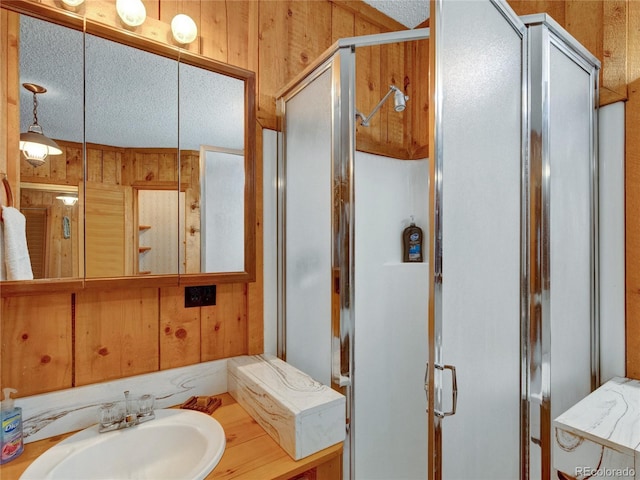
column 131, row 12
column 399, row 100
column 33, row 143
column 184, row 29
column 69, row 200
column 72, row 4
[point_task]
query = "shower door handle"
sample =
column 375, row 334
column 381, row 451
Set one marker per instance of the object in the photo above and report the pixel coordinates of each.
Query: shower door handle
column 454, row 389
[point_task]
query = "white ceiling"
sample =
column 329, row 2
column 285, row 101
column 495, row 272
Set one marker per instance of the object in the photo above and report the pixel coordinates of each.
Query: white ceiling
column 410, row 13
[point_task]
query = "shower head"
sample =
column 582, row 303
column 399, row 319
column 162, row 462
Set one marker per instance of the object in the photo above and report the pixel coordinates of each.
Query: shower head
column 400, row 103
column 400, row 99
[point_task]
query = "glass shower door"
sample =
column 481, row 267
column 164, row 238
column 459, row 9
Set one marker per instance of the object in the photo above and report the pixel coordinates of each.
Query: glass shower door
column 477, row 321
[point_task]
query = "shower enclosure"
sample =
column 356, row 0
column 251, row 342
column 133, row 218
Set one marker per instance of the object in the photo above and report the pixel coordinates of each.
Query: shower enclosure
column 447, row 365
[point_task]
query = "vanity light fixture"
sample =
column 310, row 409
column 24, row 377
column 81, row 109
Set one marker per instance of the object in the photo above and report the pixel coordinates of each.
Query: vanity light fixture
column 131, row 12
column 35, row 146
column 184, row 29
column 69, row 200
column 72, row 5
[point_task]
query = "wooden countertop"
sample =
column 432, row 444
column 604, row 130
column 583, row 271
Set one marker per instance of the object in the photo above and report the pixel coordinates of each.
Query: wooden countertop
column 250, row 454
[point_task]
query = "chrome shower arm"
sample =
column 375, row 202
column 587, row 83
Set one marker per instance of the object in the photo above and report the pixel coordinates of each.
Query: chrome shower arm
column 365, row 120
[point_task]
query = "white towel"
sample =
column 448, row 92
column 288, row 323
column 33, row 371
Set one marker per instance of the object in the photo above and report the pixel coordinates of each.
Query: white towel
column 15, row 254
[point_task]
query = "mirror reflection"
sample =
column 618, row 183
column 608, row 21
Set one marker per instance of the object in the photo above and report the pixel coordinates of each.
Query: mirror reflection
column 153, row 151
column 131, row 124
column 51, row 56
column 211, row 143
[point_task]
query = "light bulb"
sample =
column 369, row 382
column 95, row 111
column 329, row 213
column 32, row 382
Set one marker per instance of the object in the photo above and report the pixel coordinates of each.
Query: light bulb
column 35, row 153
column 184, row 29
column 72, row 4
column 131, row 12
column 68, row 200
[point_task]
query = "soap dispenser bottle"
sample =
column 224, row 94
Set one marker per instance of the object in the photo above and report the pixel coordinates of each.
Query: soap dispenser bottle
column 11, row 444
column 412, row 243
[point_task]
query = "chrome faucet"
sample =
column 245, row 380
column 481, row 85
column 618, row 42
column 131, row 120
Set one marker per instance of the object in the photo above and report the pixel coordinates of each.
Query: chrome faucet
column 112, row 417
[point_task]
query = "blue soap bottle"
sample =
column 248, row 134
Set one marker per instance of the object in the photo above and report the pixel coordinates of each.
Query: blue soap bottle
column 11, row 445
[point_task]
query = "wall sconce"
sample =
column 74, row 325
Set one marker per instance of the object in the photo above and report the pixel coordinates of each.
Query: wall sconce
column 131, row 12
column 33, row 143
column 184, row 29
column 69, row 200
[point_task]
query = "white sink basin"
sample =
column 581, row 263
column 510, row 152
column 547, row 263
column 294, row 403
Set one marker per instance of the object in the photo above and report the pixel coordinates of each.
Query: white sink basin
column 177, row 444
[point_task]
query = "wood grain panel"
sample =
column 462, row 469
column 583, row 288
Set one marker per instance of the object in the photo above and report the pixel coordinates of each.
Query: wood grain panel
column 342, row 23
column 224, row 326
column 292, row 34
column 242, row 33
column 614, row 46
column 10, row 102
column 213, row 30
column 633, row 41
column 554, row 8
column 369, row 90
column 255, row 290
column 179, row 330
column 418, row 126
column 583, row 19
column 116, row 334
column 632, row 225
column 395, row 70
column 36, row 343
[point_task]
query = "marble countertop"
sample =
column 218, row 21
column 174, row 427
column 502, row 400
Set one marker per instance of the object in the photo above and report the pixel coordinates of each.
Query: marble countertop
column 609, row 416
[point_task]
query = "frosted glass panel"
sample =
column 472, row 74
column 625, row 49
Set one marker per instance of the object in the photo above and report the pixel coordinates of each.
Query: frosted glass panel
column 570, row 231
column 222, row 208
column 308, row 229
column 390, row 320
column 481, row 151
column 612, row 224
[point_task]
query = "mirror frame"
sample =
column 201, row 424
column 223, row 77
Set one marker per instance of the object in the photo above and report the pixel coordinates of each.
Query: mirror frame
column 52, row 13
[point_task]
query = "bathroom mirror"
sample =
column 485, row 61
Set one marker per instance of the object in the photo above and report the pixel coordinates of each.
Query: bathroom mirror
column 151, row 110
column 212, row 136
column 131, row 131
column 51, row 56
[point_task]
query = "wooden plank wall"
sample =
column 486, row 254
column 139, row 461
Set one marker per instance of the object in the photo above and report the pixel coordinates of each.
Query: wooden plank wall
column 276, row 39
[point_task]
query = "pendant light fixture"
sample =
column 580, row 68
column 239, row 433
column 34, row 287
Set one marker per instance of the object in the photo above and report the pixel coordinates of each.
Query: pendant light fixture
column 33, row 143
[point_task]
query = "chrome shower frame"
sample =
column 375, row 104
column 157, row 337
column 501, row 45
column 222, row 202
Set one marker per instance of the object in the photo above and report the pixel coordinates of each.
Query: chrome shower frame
column 340, row 59
column 545, row 33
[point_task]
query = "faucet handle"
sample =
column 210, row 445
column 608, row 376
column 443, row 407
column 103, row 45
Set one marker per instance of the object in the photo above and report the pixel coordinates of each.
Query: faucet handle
column 145, row 405
column 110, row 414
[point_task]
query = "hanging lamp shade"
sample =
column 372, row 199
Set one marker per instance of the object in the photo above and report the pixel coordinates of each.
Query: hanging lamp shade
column 35, row 146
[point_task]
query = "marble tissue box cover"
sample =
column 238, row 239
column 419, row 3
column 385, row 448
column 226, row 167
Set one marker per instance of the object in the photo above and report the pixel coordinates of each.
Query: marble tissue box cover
column 600, row 436
column 301, row 414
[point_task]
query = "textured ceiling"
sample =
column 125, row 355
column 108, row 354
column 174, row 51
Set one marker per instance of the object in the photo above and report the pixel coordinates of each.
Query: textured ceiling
column 410, row 13
column 131, row 97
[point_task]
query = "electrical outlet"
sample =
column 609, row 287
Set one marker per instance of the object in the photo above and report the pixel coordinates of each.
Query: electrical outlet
column 208, row 295
column 199, row 296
